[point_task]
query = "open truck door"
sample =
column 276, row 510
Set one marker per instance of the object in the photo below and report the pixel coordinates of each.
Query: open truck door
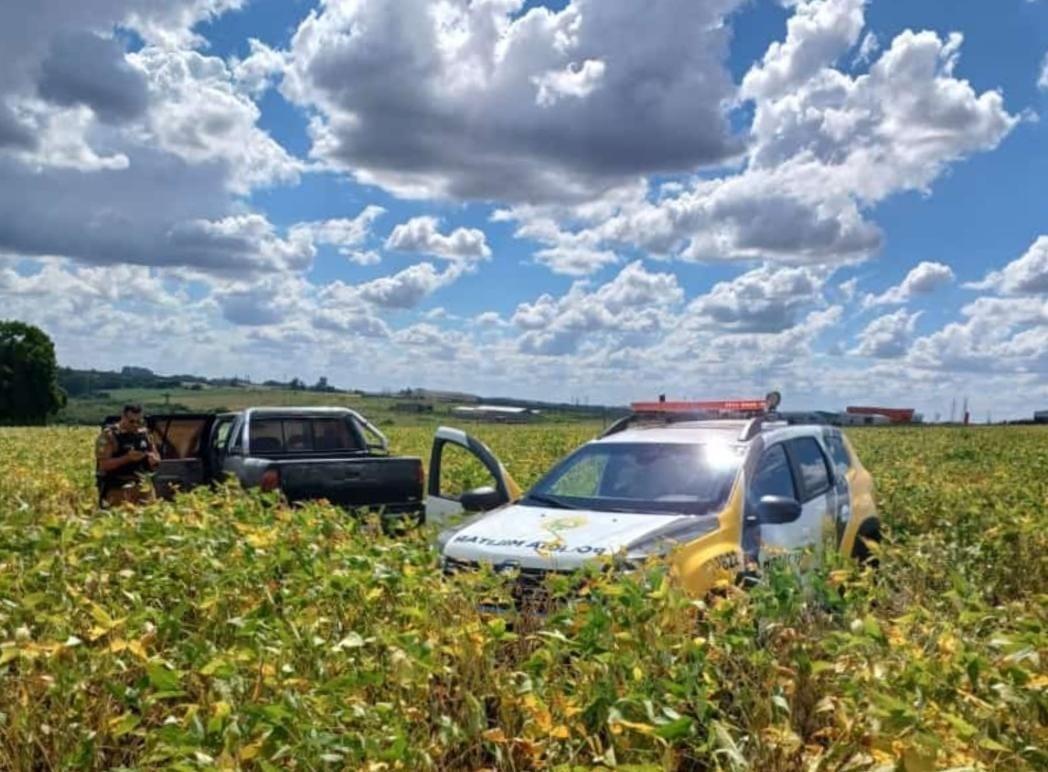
column 443, row 499
column 184, row 443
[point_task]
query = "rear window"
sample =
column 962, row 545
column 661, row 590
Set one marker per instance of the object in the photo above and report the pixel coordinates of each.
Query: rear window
column 811, row 463
column 298, row 437
column 838, row 453
column 334, row 434
column 302, row 435
column 267, row 436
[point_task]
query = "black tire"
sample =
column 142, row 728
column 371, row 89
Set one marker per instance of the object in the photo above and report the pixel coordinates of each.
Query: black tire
column 870, row 530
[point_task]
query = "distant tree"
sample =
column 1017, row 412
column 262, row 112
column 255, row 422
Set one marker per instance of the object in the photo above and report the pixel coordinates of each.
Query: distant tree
column 29, row 391
column 137, row 372
column 323, row 385
column 297, row 384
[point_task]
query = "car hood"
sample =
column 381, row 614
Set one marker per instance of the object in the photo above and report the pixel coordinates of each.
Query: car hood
column 562, row 540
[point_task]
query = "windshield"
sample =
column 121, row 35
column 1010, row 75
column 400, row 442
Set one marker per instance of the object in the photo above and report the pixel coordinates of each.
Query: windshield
column 642, row 477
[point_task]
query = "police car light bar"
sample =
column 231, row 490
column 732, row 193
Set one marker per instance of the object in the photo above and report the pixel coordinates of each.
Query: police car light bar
column 731, row 405
column 769, row 404
column 758, row 410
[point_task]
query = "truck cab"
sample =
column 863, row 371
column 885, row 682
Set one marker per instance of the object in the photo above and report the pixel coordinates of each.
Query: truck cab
column 307, row 453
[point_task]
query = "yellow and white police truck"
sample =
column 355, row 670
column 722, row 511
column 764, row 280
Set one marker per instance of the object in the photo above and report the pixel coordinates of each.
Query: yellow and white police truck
column 717, row 488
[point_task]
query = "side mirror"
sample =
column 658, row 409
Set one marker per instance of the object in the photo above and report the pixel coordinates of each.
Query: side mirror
column 776, row 510
column 481, row 499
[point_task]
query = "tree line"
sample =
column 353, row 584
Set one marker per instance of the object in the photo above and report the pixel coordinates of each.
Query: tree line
column 33, row 388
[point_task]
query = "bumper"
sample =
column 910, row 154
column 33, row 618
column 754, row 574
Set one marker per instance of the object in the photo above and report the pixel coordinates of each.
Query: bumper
column 527, row 589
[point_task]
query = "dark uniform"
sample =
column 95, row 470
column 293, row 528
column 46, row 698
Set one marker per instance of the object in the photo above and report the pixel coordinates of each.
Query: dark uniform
column 128, row 483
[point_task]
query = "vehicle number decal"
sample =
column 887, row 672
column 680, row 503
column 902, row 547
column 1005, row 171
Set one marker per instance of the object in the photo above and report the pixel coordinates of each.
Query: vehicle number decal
column 728, row 561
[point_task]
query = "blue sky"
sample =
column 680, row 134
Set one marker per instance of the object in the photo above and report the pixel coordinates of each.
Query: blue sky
column 841, row 199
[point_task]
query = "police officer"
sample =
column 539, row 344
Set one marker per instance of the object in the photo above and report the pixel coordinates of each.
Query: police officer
column 124, row 455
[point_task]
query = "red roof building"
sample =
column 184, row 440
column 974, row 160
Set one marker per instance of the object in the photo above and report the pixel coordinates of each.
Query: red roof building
column 893, row 414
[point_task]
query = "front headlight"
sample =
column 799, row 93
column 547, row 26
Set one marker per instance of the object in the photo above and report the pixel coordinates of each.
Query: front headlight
column 443, row 537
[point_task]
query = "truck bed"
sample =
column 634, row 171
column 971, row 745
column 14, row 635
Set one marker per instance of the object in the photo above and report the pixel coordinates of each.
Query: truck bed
column 370, row 481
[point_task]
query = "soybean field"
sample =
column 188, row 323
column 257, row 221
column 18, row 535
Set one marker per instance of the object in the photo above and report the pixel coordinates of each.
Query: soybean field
column 223, row 630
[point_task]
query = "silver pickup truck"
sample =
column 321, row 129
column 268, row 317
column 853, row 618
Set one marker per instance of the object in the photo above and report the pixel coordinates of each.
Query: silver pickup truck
column 305, row 452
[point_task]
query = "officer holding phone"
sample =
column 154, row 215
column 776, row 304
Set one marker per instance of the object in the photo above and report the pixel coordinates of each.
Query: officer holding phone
column 125, row 454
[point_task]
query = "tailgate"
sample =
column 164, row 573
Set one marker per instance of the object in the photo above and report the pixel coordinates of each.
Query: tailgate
column 354, row 482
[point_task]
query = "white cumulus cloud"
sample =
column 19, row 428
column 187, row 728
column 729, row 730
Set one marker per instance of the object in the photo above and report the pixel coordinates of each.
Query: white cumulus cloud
column 484, row 100
column 422, row 235
column 1026, row 275
column 825, row 147
column 634, row 304
column 888, row 336
column 767, row 299
column 924, row 278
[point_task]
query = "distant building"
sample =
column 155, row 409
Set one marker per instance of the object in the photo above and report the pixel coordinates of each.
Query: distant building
column 894, row 415
column 438, row 396
column 497, row 413
column 862, row 419
column 810, row 417
column 1041, row 417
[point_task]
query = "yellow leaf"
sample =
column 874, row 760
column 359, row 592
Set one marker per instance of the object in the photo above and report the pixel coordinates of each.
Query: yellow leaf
column 104, row 622
column 543, row 720
column 635, row 726
column 100, row 615
column 262, row 538
column 494, row 735
column 837, row 577
column 136, row 648
column 249, row 752
column 560, row 732
column 123, row 724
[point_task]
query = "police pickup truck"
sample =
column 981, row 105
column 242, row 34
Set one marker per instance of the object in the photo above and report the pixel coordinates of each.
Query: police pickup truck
column 717, row 489
column 304, row 452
